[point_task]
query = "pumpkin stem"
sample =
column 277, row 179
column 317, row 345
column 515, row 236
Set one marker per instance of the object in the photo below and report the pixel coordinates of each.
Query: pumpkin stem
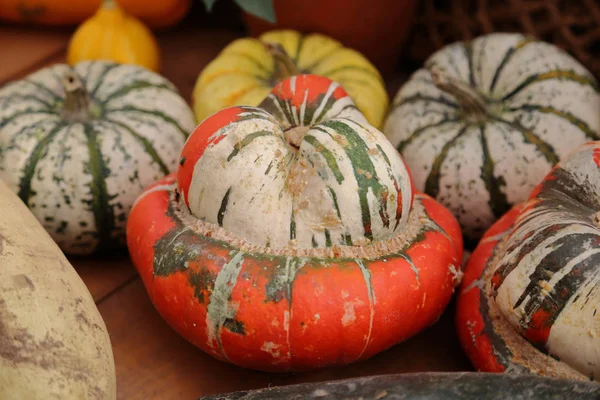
column 284, row 66
column 596, row 219
column 472, row 103
column 77, row 101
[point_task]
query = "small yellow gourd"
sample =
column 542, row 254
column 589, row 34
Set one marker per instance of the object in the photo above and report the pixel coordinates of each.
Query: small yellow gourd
column 112, row 34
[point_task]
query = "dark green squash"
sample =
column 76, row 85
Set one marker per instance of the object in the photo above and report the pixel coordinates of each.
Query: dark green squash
column 430, row 386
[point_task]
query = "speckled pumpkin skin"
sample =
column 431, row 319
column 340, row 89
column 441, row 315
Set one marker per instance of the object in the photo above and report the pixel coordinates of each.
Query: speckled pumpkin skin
column 81, row 177
column 540, row 103
column 531, row 287
column 289, row 303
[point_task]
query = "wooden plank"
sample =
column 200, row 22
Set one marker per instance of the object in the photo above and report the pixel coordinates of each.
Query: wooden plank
column 153, row 362
column 104, row 274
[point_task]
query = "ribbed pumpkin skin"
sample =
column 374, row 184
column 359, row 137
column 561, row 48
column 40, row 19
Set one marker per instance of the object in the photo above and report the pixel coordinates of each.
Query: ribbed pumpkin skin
column 230, row 270
column 540, row 104
column 245, row 72
column 81, row 178
column 538, row 267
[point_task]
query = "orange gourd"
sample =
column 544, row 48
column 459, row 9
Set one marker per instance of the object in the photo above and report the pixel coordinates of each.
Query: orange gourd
column 155, row 13
column 112, row 34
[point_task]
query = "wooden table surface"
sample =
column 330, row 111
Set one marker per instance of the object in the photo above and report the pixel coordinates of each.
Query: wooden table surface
column 152, row 361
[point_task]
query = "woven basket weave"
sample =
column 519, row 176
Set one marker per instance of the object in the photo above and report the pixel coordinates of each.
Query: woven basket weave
column 573, row 25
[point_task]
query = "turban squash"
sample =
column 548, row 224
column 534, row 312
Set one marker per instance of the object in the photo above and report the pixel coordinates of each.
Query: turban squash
column 484, row 121
column 247, row 70
column 79, row 144
column 530, row 298
column 291, row 237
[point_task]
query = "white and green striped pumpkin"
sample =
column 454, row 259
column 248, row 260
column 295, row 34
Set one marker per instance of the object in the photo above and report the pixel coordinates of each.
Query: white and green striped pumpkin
column 291, row 237
column 484, row 121
column 533, row 282
column 79, row 144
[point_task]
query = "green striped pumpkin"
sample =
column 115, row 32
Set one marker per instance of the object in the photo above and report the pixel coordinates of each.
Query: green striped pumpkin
column 484, row 121
column 291, row 237
column 79, row 144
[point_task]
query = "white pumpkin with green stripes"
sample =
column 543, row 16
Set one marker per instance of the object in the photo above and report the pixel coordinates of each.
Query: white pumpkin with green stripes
column 484, row 121
column 79, row 144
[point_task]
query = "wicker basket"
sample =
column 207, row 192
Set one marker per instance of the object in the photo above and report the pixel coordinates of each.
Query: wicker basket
column 573, row 25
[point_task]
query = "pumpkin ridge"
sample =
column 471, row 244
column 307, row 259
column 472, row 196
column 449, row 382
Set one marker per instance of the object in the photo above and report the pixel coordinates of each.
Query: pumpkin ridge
column 530, row 137
column 566, row 75
column 432, row 184
column 364, row 170
column 146, row 144
column 100, row 79
column 417, row 133
column 301, row 37
column 136, row 85
column 240, row 72
column 277, row 107
column 223, row 208
column 506, row 59
column 420, row 97
column 503, row 354
column 498, row 201
column 33, row 159
column 318, row 62
column 218, row 310
column 247, row 140
column 42, row 87
column 569, row 117
column 325, row 152
column 371, row 295
column 24, row 113
column 232, row 99
column 468, row 48
column 17, row 98
column 524, row 248
column 155, row 113
column 12, row 144
column 100, row 203
column 325, row 105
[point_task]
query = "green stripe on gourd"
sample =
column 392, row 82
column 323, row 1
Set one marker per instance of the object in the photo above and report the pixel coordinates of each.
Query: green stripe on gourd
column 82, row 142
column 325, row 180
column 533, row 102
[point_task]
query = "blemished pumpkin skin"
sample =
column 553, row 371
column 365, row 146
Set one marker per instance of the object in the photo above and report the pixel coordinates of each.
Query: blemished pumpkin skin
column 79, row 144
column 247, row 69
column 157, row 14
column 290, row 237
column 112, row 34
column 484, row 121
column 530, row 296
